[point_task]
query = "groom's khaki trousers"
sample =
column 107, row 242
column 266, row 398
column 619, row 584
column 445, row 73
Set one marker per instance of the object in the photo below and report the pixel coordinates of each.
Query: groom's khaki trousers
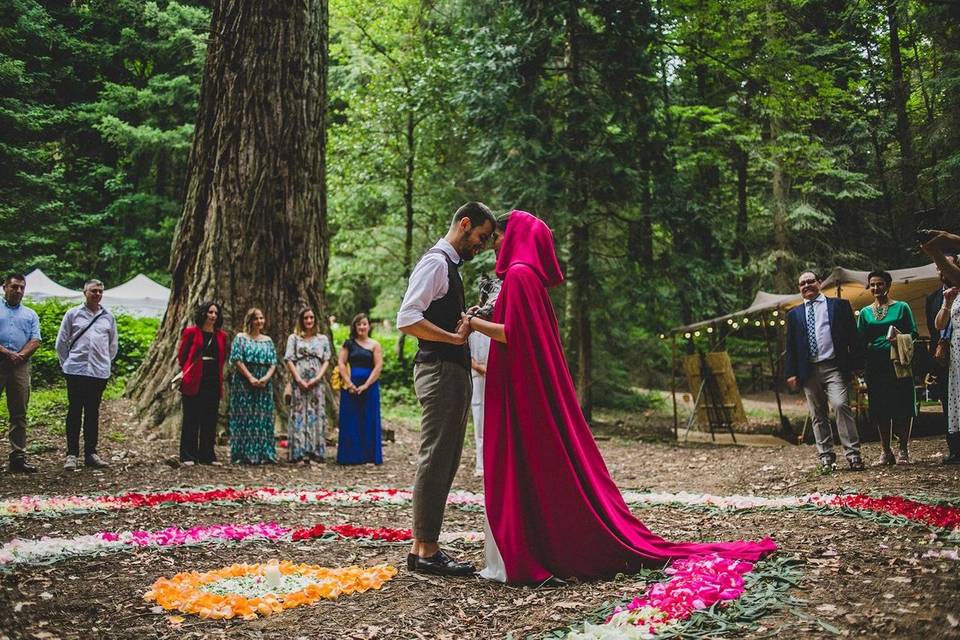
column 444, row 390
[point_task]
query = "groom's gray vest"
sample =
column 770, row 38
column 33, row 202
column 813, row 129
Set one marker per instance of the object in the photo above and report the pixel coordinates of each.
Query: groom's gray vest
column 445, row 313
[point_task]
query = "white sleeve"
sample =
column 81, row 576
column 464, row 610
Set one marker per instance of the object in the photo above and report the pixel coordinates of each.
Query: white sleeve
column 62, row 344
column 427, row 283
column 114, row 339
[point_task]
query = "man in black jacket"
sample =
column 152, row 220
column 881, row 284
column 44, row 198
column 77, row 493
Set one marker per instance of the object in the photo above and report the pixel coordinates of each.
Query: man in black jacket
column 823, row 352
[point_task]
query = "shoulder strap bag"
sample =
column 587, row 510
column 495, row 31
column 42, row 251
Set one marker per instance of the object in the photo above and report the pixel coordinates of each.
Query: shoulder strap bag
column 90, row 324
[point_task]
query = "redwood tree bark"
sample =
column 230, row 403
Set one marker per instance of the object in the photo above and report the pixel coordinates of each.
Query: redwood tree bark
column 253, row 230
column 581, row 276
column 901, row 92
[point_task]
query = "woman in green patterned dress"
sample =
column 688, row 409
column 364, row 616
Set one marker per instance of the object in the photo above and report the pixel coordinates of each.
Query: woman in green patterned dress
column 893, row 401
column 251, row 394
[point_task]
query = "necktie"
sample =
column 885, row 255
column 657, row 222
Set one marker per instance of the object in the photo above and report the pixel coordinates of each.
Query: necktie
column 812, row 331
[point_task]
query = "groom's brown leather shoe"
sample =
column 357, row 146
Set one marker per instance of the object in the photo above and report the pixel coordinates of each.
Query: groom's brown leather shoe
column 439, row 564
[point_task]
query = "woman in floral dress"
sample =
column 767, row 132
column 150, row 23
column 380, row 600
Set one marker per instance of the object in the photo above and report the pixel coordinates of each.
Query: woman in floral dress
column 307, row 356
column 251, row 393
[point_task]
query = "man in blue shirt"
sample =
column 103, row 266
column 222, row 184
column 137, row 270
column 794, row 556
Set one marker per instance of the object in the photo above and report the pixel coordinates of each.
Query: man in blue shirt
column 19, row 338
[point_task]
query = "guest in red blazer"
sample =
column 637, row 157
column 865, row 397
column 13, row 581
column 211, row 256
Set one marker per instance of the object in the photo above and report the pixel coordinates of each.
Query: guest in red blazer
column 202, row 352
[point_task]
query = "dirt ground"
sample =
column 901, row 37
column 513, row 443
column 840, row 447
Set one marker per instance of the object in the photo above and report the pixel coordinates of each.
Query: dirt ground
column 860, row 578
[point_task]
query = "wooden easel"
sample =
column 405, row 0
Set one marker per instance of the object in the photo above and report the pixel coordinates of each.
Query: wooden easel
column 721, row 412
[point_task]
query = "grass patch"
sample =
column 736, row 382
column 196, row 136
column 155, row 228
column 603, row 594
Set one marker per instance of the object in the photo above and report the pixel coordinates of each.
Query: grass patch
column 48, row 407
column 405, row 414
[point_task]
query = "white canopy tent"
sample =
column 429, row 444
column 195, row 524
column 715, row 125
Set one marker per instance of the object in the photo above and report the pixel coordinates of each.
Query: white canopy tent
column 40, row 287
column 139, row 296
column 911, row 285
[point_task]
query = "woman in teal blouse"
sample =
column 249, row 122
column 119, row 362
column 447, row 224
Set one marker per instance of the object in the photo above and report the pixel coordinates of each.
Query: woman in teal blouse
column 893, row 402
column 251, row 394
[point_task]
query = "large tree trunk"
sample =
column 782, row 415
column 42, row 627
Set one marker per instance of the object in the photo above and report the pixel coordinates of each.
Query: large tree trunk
column 580, row 262
column 741, row 164
column 253, row 230
column 581, row 279
column 908, row 166
column 408, row 185
column 780, row 190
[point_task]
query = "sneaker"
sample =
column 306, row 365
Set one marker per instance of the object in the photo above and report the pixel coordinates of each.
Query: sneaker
column 95, row 461
column 72, row 463
column 187, row 463
column 903, row 457
column 856, row 464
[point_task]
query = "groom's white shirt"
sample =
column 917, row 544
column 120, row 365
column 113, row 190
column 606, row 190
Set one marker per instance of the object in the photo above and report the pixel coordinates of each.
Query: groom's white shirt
column 428, row 282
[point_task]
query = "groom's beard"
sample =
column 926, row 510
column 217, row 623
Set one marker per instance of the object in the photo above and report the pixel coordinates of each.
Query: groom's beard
column 466, row 254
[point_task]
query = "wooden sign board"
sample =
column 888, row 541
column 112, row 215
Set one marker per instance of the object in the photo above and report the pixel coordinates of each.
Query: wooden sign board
column 722, row 369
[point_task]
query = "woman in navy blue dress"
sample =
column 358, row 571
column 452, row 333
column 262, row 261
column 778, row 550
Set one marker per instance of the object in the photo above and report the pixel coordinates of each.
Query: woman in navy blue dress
column 359, row 439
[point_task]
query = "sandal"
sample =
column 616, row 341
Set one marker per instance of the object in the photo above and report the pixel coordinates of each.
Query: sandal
column 886, row 459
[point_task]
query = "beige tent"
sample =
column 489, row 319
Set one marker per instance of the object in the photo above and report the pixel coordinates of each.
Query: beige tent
column 909, row 285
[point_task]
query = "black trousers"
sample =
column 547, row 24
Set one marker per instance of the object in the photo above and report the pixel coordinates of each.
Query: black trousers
column 199, row 431
column 83, row 396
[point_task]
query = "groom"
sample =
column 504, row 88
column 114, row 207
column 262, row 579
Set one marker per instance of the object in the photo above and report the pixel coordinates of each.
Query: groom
column 431, row 311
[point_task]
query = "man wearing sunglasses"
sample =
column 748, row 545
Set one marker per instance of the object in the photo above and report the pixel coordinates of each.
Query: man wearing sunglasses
column 823, row 352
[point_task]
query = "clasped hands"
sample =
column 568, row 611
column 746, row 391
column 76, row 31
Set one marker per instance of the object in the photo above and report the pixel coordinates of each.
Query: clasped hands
column 463, row 329
column 306, row 385
column 13, row 357
column 258, row 383
column 354, row 389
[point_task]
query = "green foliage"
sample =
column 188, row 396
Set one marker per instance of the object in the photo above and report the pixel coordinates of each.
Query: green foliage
column 708, row 148
column 97, row 102
column 135, row 335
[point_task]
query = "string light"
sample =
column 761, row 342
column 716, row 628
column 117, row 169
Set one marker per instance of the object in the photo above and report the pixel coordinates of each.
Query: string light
column 663, row 336
column 729, row 320
column 687, row 335
column 709, row 329
column 776, row 313
column 736, row 325
column 773, row 323
column 696, row 334
column 783, row 322
column 756, row 323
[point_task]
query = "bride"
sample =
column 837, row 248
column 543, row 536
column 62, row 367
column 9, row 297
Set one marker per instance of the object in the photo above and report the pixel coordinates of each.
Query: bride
column 552, row 508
